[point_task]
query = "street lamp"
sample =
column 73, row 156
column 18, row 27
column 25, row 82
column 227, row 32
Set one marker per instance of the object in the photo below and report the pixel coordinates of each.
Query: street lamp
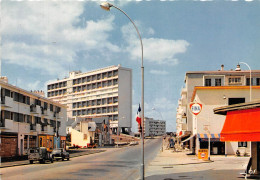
column 158, row 112
column 106, row 6
column 250, row 81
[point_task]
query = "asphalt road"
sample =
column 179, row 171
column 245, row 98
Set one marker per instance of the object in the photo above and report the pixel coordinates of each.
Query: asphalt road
column 121, row 163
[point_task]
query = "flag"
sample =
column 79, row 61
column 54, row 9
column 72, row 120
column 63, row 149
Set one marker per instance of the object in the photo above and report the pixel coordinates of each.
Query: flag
column 138, row 115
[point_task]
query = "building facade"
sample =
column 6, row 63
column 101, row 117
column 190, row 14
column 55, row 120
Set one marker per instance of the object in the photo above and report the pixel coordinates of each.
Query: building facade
column 213, row 89
column 29, row 120
column 154, row 127
column 103, row 92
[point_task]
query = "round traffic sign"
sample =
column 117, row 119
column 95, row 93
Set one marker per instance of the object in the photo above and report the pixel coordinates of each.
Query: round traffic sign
column 195, row 108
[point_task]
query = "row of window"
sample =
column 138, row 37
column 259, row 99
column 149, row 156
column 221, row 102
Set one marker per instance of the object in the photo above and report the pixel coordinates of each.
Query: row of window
column 95, row 102
column 18, row 97
column 85, row 87
column 57, row 93
column 95, row 111
column 84, row 79
column 95, row 77
column 19, row 117
column 57, row 85
column 232, row 81
column 217, row 82
column 110, row 117
column 95, row 85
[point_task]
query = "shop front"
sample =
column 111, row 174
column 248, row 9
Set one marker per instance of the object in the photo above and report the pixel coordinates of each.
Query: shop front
column 242, row 124
column 216, row 146
column 63, row 142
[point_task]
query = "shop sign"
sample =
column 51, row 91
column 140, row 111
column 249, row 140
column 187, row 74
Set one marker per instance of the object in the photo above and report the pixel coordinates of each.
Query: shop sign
column 203, row 154
column 195, row 108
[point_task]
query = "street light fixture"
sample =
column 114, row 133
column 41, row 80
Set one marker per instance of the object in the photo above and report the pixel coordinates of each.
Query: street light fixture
column 250, row 80
column 106, row 6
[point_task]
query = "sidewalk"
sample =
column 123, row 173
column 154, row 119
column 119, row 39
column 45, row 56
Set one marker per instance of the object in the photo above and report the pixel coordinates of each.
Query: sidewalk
column 179, row 165
column 73, row 153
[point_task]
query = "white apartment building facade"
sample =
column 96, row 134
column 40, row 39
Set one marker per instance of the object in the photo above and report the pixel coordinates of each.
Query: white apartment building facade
column 29, row 120
column 154, row 127
column 98, row 93
column 213, row 89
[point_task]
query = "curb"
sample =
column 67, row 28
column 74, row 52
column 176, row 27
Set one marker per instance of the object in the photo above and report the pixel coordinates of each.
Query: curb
column 27, row 163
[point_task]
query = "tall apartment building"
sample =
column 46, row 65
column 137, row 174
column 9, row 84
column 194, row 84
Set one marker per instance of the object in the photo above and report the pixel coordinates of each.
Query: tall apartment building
column 154, row 127
column 29, row 120
column 213, row 89
column 101, row 92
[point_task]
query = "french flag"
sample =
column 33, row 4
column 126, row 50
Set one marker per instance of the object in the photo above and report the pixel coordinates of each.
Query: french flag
column 138, row 116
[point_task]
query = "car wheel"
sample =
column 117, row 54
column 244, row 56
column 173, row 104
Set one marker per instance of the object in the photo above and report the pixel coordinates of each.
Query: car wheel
column 51, row 160
column 31, row 161
column 62, row 158
column 43, row 161
column 68, row 159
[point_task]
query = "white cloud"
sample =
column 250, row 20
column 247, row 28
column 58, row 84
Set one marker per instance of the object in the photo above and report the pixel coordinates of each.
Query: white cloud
column 157, row 72
column 156, row 50
column 28, row 33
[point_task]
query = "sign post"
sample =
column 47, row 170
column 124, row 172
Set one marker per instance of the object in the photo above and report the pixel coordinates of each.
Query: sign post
column 195, row 108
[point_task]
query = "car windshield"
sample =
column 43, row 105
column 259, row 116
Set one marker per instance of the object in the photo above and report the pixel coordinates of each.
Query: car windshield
column 56, row 151
column 33, row 151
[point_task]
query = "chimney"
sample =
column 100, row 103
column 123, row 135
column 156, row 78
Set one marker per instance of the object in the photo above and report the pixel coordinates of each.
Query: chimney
column 238, row 68
column 4, row 79
column 41, row 93
column 222, row 67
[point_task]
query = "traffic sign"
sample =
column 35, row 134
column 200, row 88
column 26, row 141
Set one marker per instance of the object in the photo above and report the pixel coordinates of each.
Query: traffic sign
column 195, row 108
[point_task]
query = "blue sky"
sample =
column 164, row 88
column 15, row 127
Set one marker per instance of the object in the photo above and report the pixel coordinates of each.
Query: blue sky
column 43, row 41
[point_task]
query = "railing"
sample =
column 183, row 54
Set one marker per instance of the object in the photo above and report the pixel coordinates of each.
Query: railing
column 32, row 127
column 2, row 122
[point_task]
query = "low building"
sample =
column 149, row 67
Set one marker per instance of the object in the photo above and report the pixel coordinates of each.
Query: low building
column 87, row 131
column 154, row 127
column 29, row 120
column 213, row 89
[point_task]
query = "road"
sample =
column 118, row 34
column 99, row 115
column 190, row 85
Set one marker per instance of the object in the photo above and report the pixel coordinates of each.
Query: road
column 121, row 163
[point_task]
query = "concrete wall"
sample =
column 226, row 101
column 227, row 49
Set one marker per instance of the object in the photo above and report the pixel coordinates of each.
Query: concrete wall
column 77, row 138
column 192, row 80
column 125, row 97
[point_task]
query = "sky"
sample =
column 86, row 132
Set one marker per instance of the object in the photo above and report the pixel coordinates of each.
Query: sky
column 45, row 40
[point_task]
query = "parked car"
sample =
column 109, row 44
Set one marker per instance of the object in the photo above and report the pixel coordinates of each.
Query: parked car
column 39, row 154
column 60, row 153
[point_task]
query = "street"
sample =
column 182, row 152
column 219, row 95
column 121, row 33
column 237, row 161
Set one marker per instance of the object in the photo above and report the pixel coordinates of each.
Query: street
column 121, row 163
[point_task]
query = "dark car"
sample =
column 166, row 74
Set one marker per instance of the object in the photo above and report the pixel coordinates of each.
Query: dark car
column 39, row 154
column 60, row 153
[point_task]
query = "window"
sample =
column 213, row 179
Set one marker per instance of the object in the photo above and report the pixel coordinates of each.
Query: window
column 248, row 81
column 258, row 81
column 235, row 100
column 242, row 144
column 217, row 82
column 207, row 82
column 234, row 80
column 51, row 107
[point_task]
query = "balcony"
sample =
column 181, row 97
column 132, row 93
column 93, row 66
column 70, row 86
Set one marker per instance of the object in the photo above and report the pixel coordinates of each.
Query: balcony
column 35, row 109
column 7, row 101
column 32, row 127
column 2, row 123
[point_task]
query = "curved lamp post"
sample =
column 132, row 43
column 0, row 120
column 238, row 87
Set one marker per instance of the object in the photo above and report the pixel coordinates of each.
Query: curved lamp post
column 106, row 6
column 250, row 80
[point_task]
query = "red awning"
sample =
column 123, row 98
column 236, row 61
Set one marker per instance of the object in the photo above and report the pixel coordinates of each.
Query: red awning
column 241, row 125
